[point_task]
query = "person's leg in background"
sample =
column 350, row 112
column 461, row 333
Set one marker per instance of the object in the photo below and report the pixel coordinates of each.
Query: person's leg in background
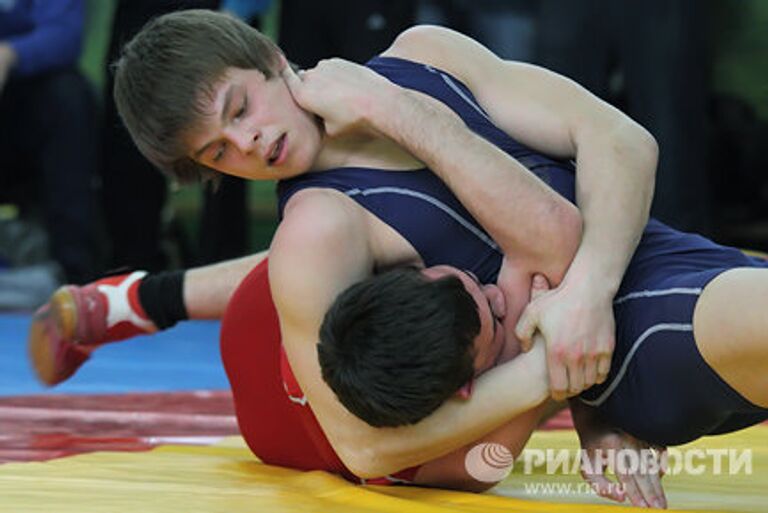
column 224, row 221
column 135, row 193
column 664, row 58
column 54, row 127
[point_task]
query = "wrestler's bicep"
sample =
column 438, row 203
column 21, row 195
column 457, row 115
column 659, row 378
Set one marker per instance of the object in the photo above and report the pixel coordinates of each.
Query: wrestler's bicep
column 537, row 107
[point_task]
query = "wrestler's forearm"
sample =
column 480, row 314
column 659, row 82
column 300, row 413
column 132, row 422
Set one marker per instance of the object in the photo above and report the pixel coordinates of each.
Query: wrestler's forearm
column 502, row 393
column 208, row 289
column 524, row 216
column 614, row 188
column 466, row 469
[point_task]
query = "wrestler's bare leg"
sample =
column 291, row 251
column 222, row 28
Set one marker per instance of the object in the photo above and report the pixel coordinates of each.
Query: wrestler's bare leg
column 730, row 325
column 207, row 290
column 77, row 320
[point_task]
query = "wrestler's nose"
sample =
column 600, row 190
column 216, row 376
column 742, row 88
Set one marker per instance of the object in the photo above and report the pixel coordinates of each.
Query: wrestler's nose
column 245, row 139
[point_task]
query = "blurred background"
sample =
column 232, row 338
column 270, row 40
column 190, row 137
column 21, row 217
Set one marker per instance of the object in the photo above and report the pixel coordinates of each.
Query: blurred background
column 77, row 200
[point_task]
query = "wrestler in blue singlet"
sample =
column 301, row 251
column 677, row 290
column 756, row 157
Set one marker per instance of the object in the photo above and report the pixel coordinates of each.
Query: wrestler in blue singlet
column 659, row 388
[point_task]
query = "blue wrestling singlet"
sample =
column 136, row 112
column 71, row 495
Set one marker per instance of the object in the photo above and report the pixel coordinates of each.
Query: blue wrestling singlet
column 659, row 388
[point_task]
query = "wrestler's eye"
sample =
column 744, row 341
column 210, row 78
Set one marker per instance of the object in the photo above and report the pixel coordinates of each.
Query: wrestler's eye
column 220, row 152
column 242, row 110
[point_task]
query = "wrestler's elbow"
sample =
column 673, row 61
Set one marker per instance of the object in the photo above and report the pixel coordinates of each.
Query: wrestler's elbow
column 367, row 462
column 636, row 145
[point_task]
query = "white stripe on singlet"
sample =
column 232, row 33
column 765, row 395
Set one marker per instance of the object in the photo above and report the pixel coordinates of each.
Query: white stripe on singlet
column 432, row 201
column 650, row 331
column 456, row 89
column 625, row 364
column 655, row 293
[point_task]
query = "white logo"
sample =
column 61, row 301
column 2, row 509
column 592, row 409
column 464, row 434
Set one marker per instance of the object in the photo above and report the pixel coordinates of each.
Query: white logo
column 489, row 462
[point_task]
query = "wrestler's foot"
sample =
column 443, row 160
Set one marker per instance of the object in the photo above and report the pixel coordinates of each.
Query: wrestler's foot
column 76, row 320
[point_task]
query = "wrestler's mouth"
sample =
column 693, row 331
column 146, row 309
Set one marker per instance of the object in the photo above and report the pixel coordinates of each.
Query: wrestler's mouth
column 279, row 151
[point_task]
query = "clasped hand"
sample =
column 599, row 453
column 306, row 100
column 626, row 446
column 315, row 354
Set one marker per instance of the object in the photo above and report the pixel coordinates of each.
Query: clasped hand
column 343, row 94
column 576, row 320
column 637, row 466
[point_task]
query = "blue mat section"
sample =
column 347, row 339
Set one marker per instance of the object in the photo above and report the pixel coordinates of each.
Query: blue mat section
column 185, row 357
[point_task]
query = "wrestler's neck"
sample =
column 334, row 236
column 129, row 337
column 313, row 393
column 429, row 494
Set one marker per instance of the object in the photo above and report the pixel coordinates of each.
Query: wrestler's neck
column 366, row 151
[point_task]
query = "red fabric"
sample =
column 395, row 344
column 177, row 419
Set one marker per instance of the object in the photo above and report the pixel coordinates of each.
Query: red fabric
column 279, row 431
column 93, row 308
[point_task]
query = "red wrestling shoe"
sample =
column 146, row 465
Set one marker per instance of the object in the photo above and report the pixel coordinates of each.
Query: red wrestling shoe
column 76, row 320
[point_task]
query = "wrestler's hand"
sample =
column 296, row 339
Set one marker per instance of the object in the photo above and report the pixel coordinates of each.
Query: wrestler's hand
column 638, row 468
column 345, row 95
column 576, row 320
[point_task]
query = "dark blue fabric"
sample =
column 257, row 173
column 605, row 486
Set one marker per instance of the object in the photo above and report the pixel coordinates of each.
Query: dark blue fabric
column 668, row 394
column 46, row 34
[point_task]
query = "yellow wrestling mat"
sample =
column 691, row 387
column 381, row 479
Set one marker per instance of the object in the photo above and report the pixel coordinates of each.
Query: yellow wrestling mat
column 226, row 478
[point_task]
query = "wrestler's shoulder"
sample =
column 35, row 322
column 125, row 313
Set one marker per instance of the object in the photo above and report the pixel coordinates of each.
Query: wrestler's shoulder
column 439, row 47
column 320, row 248
column 319, row 210
column 318, row 221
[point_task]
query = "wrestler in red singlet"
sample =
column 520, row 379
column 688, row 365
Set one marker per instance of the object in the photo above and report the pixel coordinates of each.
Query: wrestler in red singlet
column 273, row 414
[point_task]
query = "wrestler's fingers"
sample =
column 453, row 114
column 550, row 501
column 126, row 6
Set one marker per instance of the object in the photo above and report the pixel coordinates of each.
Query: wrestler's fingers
column 661, row 454
column 604, row 487
column 644, row 482
column 603, row 367
column 558, row 378
column 294, row 82
column 658, row 491
column 539, row 286
column 292, row 78
column 631, row 489
column 526, row 327
column 590, row 371
column 575, row 375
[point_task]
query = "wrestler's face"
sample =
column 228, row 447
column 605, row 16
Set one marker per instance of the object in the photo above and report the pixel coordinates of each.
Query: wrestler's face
column 489, row 342
column 254, row 129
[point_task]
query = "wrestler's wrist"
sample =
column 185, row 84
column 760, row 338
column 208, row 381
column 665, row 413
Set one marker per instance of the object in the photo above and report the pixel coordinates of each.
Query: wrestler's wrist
column 385, row 104
column 595, row 272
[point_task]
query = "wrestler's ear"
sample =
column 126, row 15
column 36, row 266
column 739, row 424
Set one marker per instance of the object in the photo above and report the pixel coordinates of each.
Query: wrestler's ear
column 282, row 63
column 466, row 390
column 281, row 60
column 496, row 299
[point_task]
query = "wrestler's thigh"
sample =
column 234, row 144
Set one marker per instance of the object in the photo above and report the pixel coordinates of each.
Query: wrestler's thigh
column 730, row 326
